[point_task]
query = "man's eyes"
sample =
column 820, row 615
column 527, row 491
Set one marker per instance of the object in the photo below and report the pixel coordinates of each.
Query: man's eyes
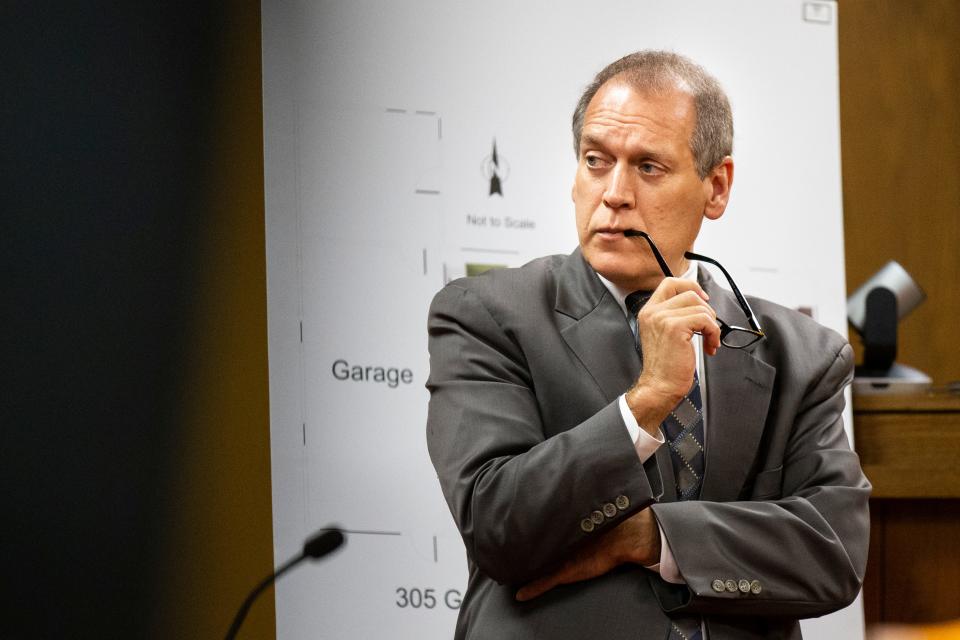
column 649, row 168
column 593, row 161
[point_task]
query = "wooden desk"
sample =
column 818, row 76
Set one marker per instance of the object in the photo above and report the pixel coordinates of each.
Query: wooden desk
column 909, row 447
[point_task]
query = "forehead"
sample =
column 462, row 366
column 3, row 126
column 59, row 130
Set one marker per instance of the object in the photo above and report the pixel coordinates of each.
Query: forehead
column 618, row 110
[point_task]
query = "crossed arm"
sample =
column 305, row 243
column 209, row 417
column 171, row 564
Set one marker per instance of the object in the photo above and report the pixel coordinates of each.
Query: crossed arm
column 808, row 546
column 518, row 496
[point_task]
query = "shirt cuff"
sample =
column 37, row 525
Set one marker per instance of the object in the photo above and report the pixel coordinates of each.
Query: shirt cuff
column 668, row 565
column 645, row 444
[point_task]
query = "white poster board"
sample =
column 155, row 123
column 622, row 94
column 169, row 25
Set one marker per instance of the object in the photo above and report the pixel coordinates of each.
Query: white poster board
column 380, row 121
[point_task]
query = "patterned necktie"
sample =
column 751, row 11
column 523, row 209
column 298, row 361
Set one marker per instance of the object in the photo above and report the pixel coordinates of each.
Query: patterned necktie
column 683, row 433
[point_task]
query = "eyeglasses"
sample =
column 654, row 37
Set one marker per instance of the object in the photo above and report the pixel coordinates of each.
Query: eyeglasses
column 730, row 336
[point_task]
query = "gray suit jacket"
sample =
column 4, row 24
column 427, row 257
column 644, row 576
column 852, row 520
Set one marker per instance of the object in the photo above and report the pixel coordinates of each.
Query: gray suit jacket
column 526, row 366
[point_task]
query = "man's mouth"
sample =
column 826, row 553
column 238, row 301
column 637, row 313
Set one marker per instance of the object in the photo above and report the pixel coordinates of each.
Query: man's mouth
column 609, row 232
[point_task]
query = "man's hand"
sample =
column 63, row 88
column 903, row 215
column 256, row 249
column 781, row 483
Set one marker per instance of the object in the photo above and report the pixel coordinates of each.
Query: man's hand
column 676, row 311
column 636, row 539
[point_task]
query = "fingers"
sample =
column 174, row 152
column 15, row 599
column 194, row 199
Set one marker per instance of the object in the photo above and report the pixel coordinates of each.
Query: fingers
column 570, row 572
column 711, row 340
column 687, row 314
column 671, row 287
column 590, row 562
column 676, row 295
column 686, row 299
column 537, row 588
column 637, row 539
column 676, row 311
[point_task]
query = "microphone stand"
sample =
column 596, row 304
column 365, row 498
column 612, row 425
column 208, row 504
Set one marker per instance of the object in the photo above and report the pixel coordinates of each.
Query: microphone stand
column 317, row 546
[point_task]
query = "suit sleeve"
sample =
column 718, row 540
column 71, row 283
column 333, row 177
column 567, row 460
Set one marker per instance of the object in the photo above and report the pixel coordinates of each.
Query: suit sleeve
column 806, row 551
column 519, row 499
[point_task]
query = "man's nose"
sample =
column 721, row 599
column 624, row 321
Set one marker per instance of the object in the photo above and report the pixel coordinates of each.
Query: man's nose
column 619, row 192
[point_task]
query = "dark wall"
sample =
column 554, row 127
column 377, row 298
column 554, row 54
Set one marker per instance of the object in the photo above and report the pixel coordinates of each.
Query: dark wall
column 123, row 190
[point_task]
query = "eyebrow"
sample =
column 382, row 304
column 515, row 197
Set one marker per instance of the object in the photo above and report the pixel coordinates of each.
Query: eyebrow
column 588, row 140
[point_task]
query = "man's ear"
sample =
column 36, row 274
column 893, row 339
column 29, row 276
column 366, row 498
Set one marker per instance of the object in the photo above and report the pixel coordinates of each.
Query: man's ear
column 717, row 184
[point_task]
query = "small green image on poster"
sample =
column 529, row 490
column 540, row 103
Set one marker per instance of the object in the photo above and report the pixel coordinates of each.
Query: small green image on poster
column 475, row 269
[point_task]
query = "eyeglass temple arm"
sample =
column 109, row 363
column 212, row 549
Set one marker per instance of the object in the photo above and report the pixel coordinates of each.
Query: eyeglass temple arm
column 751, row 318
column 636, row 233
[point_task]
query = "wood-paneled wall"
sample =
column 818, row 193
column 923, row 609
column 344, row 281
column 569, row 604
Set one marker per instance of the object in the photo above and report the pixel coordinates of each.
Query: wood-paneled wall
column 900, row 137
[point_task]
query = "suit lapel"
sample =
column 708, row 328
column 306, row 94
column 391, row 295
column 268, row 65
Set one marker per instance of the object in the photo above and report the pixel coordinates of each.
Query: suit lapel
column 596, row 329
column 739, row 387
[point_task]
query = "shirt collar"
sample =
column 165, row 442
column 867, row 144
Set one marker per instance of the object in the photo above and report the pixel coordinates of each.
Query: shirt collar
column 620, row 294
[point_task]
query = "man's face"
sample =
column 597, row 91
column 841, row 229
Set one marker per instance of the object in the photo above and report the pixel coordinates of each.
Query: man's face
column 636, row 171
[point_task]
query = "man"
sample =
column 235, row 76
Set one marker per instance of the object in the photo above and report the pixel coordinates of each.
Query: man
column 551, row 407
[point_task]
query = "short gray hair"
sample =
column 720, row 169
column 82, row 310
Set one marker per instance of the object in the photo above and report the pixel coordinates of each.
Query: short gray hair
column 659, row 71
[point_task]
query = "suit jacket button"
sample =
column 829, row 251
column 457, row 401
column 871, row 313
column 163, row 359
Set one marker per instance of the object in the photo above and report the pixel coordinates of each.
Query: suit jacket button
column 731, row 586
column 587, row 525
column 622, row 502
column 718, row 585
column 755, row 587
column 744, row 586
column 597, row 517
column 609, row 510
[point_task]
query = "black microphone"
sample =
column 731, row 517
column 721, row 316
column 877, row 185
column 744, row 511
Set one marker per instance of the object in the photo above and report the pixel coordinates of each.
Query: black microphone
column 318, row 545
column 322, row 543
